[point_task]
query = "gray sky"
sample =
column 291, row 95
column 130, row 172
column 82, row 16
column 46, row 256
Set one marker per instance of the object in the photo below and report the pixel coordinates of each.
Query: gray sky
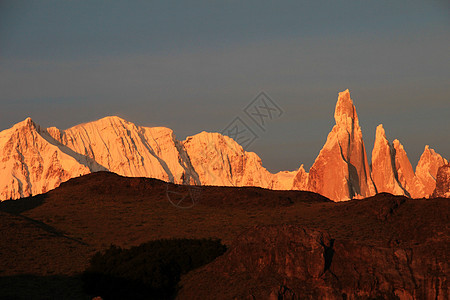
column 193, row 66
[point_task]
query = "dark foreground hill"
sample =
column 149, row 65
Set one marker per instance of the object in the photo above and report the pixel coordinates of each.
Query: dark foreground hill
column 303, row 245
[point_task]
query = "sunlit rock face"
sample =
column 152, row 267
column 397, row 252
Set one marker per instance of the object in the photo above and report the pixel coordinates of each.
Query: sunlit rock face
column 442, row 182
column 427, row 169
column 202, row 159
column 392, row 171
column 219, row 160
column 283, row 180
column 405, row 173
column 36, row 160
column 384, row 173
column 341, row 171
column 32, row 162
column 300, row 181
column 129, row 150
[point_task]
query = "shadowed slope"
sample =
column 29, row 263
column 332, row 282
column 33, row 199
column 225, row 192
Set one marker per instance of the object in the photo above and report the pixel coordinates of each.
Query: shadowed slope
column 89, row 213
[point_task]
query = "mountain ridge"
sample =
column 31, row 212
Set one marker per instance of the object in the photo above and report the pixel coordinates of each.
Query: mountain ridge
column 340, row 172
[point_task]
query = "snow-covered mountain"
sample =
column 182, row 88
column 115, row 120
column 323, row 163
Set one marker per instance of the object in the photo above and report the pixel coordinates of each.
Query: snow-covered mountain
column 129, row 150
column 35, row 160
column 32, row 162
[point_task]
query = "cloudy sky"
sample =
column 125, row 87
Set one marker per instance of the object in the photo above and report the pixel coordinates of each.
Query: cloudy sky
column 195, row 65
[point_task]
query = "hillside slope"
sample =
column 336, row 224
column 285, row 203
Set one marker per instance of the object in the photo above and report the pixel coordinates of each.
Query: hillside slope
column 56, row 233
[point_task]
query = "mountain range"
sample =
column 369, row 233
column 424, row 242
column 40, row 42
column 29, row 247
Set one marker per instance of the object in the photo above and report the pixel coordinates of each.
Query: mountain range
column 35, row 160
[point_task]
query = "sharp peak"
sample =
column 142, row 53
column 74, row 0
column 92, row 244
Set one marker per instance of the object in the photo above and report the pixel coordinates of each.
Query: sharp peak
column 28, row 122
column 344, row 107
column 429, row 150
column 396, row 143
column 344, row 93
column 380, row 130
column 344, row 98
column 380, row 134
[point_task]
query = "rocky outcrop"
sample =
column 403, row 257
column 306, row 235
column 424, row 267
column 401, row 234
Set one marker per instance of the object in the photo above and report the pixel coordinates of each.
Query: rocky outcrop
column 427, row 168
column 341, row 171
column 384, row 173
column 442, row 182
column 300, row 181
column 292, row 262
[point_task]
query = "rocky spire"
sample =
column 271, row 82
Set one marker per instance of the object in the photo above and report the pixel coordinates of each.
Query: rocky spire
column 405, row 173
column 384, row 174
column 345, row 112
column 427, row 169
column 341, row 171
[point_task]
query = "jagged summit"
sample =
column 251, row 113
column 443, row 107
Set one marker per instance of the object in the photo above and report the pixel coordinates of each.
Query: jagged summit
column 117, row 145
column 344, row 110
column 384, row 173
column 397, row 144
column 341, row 171
column 427, row 168
column 33, row 163
column 34, row 160
column 380, row 133
column 28, row 122
column 392, row 171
